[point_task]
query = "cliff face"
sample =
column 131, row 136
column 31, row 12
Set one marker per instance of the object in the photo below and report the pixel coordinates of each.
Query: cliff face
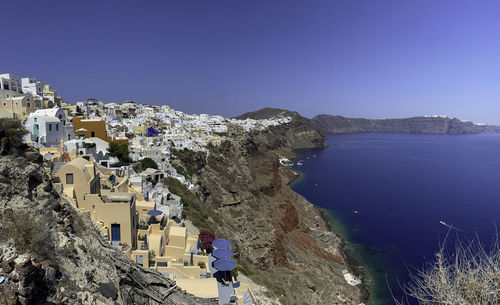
column 51, row 254
column 429, row 125
column 300, row 133
column 279, row 238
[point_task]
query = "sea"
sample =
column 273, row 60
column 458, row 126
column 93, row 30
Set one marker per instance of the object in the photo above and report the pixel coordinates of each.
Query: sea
column 387, row 193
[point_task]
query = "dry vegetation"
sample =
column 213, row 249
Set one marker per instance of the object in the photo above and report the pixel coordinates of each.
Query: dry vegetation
column 470, row 275
column 29, row 233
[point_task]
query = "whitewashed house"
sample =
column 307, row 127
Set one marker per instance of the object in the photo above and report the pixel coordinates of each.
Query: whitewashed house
column 32, row 86
column 47, row 127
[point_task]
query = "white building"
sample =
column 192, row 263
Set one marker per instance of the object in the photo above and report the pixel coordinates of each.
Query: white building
column 32, row 86
column 48, row 127
column 10, row 86
column 94, row 146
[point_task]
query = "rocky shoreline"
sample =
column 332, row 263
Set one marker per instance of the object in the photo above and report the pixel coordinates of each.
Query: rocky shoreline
column 280, row 240
column 353, row 263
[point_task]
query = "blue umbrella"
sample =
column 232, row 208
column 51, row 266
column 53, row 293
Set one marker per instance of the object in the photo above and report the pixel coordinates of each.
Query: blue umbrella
column 222, row 253
column 221, row 243
column 224, row 264
column 155, row 213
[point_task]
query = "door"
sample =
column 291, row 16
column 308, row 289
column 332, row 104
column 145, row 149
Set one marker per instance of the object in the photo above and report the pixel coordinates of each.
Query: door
column 35, row 130
column 115, row 234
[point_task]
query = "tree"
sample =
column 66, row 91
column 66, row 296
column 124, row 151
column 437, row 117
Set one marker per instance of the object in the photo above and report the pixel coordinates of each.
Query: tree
column 11, row 136
column 148, row 163
column 120, row 151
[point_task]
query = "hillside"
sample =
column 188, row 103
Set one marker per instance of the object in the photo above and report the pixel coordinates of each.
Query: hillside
column 429, row 125
column 279, row 238
column 266, row 113
column 49, row 251
column 325, row 123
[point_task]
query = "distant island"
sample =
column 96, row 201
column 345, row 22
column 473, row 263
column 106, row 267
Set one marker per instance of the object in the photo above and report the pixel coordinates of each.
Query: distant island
column 432, row 124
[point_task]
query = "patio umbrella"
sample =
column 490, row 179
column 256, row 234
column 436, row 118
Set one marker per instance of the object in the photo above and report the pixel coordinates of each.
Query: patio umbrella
column 222, row 253
column 155, row 213
column 221, row 243
column 224, row 264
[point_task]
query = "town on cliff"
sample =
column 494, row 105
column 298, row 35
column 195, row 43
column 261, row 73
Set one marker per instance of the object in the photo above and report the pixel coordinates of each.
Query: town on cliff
column 114, row 162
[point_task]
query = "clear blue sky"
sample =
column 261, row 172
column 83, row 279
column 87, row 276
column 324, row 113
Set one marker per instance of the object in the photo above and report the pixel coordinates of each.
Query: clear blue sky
column 354, row 58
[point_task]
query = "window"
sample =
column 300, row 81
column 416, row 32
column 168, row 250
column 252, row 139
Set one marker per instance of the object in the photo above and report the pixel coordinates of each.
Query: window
column 139, row 259
column 69, row 178
column 5, row 104
column 92, row 134
column 60, row 117
column 57, row 127
column 29, row 104
column 50, row 127
column 35, row 120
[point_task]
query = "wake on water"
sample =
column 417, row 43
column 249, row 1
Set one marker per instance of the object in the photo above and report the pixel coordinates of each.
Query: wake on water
column 451, row 227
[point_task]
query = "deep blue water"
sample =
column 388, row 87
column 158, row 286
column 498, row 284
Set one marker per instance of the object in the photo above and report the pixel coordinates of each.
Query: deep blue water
column 403, row 185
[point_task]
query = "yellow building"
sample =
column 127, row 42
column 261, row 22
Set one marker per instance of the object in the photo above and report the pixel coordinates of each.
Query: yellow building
column 6, row 114
column 93, row 128
column 144, row 206
column 139, row 130
column 20, row 106
column 54, row 153
column 172, row 247
column 113, row 211
column 51, row 97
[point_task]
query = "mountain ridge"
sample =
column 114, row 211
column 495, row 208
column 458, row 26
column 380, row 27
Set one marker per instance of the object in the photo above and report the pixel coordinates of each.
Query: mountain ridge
column 326, row 123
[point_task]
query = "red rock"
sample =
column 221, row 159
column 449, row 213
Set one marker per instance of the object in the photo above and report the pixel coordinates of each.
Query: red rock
column 7, row 267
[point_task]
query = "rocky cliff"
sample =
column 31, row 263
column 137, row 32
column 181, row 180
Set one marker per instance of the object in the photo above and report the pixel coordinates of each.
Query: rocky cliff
column 429, row 125
column 280, row 239
column 51, row 254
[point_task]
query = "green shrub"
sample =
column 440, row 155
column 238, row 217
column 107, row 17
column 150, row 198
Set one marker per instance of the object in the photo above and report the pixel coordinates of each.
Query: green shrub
column 151, row 256
column 148, row 163
column 163, row 223
column 119, row 151
column 236, row 271
column 192, row 208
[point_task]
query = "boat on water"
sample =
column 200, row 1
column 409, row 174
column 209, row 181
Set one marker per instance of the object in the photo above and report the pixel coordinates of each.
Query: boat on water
column 443, row 223
column 356, row 212
column 300, row 162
